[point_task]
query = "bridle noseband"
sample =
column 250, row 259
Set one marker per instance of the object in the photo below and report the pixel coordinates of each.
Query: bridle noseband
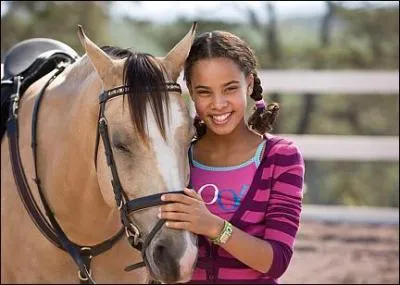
column 82, row 255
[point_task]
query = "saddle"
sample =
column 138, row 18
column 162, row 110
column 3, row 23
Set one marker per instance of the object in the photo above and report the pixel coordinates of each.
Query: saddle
column 27, row 62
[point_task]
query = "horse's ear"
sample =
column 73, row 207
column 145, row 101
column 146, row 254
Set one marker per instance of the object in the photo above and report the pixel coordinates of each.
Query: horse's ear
column 176, row 57
column 100, row 60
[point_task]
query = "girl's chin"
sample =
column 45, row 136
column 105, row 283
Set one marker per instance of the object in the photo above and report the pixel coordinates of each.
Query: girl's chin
column 221, row 129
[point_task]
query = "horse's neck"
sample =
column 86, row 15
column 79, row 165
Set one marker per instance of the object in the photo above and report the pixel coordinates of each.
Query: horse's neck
column 66, row 141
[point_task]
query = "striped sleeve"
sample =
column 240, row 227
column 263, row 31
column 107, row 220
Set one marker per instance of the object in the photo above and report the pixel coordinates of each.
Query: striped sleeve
column 285, row 203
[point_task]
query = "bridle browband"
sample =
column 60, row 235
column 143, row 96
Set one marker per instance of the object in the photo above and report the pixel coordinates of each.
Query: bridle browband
column 50, row 228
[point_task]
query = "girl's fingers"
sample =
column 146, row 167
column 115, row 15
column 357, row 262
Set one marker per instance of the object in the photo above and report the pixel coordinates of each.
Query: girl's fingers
column 185, row 199
column 170, row 197
column 174, row 216
column 178, row 225
column 193, row 194
column 175, row 207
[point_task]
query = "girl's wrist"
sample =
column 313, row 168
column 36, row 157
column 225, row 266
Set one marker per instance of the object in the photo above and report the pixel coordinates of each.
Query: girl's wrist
column 216, row 228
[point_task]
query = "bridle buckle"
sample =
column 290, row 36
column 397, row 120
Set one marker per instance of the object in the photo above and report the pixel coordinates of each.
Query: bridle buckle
column 89, row 274
column 120, row 204
column 15, row 101
column 88, row 249
column 134, row 235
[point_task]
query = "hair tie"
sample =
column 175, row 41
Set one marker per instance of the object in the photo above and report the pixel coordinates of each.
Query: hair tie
column 260, row 104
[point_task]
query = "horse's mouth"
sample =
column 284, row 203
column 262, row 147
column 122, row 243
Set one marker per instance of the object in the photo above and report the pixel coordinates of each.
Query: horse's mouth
column 154, row 277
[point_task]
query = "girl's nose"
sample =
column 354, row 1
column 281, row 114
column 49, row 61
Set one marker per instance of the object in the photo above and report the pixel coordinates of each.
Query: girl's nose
column 219, row 102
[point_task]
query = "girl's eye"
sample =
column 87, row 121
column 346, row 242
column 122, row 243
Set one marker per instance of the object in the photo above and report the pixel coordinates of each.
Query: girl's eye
column 231, row 89
column 203, row 93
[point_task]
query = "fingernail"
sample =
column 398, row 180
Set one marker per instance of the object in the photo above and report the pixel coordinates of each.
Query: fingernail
column 163, row 198
column 159, row 215
column 167, row 224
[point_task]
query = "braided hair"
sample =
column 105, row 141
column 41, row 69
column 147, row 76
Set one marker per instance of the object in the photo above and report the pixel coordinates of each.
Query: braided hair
column 227, row 45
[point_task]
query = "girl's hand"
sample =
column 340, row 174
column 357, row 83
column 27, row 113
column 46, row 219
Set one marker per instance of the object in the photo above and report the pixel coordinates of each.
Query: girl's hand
column 190, row 213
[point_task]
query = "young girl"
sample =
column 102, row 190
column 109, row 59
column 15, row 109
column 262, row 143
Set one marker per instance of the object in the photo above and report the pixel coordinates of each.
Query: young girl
column 248, row 184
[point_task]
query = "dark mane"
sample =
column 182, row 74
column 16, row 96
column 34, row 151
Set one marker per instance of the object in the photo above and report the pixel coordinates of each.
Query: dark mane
column 147, row 86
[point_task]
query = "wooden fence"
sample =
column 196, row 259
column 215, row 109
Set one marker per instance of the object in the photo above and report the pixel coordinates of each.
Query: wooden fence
column 339, row 147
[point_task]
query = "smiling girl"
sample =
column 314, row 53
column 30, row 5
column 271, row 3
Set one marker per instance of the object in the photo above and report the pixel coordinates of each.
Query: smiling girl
column 246, row 200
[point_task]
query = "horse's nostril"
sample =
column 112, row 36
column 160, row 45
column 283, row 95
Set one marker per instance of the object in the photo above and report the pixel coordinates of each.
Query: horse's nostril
column 159, row 250
column 161, row 253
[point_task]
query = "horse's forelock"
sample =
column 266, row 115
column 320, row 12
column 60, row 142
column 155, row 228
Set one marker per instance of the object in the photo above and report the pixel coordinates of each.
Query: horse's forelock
column 146, row 83
column 147, row 86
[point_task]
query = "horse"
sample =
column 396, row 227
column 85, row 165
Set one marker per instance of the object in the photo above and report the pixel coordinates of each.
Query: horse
column 110, row 137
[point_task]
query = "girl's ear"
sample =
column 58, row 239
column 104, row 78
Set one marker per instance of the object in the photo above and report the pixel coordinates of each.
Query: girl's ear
column 250, row 83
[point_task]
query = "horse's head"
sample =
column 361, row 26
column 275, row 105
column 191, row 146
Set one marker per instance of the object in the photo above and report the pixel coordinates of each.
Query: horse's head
column 144, row 133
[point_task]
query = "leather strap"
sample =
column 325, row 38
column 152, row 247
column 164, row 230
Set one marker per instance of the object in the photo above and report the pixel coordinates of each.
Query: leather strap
column 18, row 171
column 148, row 201
column 50, row 228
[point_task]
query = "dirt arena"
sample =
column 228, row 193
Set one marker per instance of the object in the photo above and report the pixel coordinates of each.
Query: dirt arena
column 333, row 253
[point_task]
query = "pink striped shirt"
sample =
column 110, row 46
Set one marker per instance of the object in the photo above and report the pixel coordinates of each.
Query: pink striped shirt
column 262, row 197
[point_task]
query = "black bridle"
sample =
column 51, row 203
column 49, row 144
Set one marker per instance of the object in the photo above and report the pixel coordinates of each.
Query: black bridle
column 50, row 228
column 125, row 205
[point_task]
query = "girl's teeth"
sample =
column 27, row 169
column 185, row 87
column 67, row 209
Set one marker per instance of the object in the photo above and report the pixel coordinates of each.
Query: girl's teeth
column 221, row 118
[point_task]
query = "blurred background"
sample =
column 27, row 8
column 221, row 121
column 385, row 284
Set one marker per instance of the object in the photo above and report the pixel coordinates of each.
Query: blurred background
column 333, row 66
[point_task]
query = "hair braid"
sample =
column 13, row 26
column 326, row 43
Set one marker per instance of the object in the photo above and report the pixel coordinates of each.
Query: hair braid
column 262, row 119
column 257, row 89
column 200, row 126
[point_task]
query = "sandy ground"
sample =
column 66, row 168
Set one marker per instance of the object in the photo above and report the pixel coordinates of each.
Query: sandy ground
column 338, row 253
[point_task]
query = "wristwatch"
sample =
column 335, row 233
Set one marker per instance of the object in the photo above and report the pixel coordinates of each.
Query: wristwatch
column 224, row 235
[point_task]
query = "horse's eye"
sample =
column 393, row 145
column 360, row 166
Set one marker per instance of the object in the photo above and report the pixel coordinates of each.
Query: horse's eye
column 121, row 147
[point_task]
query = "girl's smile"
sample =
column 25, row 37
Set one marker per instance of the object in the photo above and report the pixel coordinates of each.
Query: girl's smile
column 221, row 119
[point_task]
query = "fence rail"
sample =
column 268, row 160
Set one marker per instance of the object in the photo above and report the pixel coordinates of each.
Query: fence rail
column 351, row 214
column 357, row 148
